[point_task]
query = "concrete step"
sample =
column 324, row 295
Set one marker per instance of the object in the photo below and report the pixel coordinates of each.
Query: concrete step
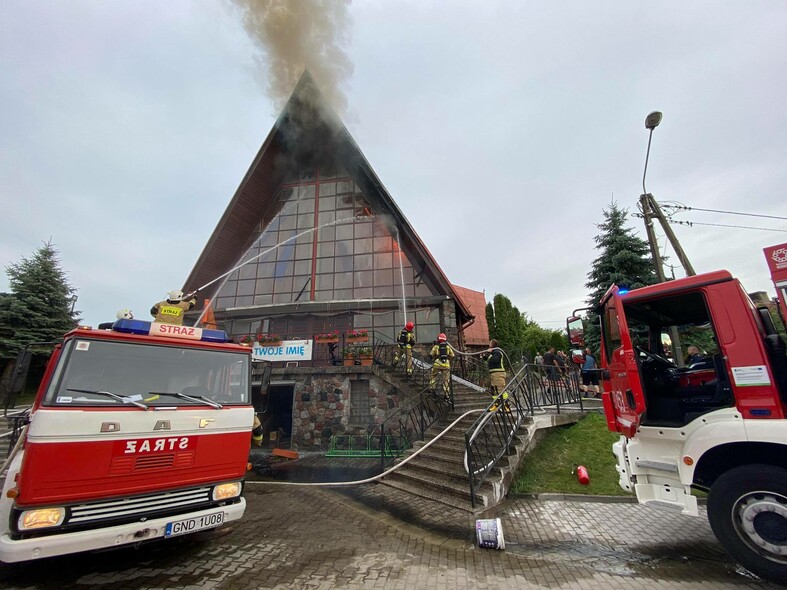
column 453, row 494
column 462, row 503
column 452, row 469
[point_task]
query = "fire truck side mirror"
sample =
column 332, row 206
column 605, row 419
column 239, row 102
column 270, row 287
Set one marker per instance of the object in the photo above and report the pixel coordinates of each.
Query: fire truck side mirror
column 576, row 331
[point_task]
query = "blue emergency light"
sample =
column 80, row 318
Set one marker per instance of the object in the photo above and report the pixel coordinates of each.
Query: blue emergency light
column 186, row 332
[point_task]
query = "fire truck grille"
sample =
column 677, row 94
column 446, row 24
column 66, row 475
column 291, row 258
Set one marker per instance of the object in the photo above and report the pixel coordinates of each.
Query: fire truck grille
column 126, row 465
column 170, row 502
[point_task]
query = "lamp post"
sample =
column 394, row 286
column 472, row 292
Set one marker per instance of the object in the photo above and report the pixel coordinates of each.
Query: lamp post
column 651, row 209
column 651, row 122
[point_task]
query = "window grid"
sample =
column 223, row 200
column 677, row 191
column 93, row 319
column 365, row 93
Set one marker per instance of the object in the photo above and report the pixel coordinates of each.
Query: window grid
column 358, row 259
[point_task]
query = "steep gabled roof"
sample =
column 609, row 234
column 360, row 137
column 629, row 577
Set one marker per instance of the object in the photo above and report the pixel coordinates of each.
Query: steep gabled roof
column 306, row 121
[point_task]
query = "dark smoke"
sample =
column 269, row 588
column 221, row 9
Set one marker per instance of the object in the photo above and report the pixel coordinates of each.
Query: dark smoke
column 298, row 35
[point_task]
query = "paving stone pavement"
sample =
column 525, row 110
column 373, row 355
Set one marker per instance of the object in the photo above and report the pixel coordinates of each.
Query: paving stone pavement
column 377, row 537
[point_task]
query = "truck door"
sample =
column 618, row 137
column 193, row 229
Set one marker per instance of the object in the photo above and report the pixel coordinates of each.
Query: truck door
column 626, row 399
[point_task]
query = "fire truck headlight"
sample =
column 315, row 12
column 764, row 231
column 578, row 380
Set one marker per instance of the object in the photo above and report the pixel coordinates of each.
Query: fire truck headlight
column 41, row 518
column 226, row 490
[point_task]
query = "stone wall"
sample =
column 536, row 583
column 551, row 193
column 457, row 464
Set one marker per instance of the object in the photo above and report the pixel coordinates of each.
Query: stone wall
column 321, row 403
column 448, row 321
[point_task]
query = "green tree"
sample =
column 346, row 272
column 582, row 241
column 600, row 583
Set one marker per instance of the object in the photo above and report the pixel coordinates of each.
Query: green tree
column 516, row 333
column 38, row 308
column 624, row 259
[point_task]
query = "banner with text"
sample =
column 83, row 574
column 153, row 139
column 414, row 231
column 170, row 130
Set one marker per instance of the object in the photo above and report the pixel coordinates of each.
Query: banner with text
column 288, row 350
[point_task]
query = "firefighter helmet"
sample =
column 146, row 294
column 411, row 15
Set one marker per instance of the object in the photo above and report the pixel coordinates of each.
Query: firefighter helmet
column 124, row 314
column 175, row 295
column 409, row 326
column 442, row 338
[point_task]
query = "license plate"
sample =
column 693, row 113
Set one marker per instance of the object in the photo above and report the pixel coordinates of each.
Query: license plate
column 190, row 525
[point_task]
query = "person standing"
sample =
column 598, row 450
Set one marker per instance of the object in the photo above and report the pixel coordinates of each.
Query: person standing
column 590, row 375
column 405, row 342
column 551, row 365
column 497, row 374
column 539, row 360
column 171, row 310
column 441, row 354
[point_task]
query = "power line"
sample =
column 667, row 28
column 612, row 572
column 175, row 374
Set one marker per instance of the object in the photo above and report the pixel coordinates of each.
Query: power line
column 687, row 208
column 692, row 223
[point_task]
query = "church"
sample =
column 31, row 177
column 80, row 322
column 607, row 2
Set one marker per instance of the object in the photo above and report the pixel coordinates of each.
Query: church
column 323, row 258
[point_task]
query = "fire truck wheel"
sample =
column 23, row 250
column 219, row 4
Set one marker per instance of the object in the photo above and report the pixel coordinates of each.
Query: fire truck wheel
column 747, row 510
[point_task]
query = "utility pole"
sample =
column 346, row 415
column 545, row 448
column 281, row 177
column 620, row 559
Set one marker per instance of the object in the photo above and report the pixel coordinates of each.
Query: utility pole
column 673, row 239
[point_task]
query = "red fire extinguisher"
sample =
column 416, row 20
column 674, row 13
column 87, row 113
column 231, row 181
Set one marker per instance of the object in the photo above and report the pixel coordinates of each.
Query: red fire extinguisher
column 582, row 475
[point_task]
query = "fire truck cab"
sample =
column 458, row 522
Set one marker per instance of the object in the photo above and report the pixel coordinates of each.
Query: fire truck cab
column 137, row 433
column 695, row 381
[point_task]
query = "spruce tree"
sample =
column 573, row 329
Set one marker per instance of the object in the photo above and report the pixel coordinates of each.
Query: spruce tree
column 38, row 308
column 624, row 259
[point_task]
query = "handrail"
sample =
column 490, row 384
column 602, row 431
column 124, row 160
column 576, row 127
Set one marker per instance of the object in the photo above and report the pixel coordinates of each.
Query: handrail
column 409, row 420
column 490, row 436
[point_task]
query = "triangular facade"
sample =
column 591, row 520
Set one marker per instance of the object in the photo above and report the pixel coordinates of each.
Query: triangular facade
column 328, row 247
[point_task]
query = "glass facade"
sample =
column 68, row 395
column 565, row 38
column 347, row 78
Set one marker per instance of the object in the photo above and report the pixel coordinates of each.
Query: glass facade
column 325, row 244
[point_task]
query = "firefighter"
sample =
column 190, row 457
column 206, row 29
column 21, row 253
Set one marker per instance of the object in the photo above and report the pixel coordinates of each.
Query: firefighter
column 171, row 310
column 256, row 432
column 123, row 314
column 441, row 354
column 497, row 375
column 405, row 342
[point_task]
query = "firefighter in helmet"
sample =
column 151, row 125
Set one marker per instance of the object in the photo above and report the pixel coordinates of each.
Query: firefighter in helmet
column 497, row 375
column 405, row 342
column 123, row 314
column 441, row 354
column 171, row 310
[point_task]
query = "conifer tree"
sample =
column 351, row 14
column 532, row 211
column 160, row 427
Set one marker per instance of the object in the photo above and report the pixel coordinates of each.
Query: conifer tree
column 38, row 308
column 624, row 259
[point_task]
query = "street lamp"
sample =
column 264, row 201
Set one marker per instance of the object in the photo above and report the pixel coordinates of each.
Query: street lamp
column 651, row 122
column 651, row 209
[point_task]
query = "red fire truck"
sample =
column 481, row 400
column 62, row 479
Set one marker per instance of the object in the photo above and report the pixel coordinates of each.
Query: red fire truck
column 137, row 433
column 711, row 418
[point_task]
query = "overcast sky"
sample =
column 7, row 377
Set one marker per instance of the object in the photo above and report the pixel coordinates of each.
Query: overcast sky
column 502, row 130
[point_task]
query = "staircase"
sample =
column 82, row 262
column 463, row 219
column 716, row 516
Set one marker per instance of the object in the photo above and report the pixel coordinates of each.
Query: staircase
column 439, row 472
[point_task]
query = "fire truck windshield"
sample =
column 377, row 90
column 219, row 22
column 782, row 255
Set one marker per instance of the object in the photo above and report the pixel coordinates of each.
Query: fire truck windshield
column 104, row 373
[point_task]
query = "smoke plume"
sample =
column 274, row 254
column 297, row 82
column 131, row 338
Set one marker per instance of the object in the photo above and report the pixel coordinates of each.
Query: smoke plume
column 301, row 34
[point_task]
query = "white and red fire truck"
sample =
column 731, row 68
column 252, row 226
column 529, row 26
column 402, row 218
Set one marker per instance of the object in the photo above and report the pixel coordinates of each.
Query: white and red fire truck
column 714, row 422
column 137, row 433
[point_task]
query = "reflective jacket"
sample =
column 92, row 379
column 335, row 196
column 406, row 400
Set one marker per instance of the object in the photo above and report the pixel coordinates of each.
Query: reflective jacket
column 171, row 312
column 406, row 339
column 442, row 353
column 495, row 361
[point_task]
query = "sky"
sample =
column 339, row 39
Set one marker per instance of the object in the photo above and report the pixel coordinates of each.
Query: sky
column 501, row 129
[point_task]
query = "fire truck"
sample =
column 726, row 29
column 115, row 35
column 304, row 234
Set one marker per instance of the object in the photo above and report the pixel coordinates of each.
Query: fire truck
column 137, row 432
column 695, row 381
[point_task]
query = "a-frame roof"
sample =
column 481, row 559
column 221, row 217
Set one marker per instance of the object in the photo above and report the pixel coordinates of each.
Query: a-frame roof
column 305, row 121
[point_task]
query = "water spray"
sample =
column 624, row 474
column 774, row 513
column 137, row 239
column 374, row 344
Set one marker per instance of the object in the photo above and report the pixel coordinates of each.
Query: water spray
column 269, row 250
column 401, row 274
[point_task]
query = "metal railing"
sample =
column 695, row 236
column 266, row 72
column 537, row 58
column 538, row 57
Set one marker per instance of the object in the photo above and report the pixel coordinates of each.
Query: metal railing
column 553, row 386
column 473, row 369
column 491, row 435
column 415, row 415
column 16, row 421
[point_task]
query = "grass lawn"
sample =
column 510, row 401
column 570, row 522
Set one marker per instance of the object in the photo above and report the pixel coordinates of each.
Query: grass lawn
column 549, row 468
